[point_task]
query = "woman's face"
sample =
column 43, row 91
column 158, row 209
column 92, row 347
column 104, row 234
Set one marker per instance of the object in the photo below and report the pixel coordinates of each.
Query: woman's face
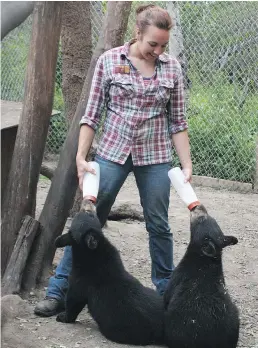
column 152, row 42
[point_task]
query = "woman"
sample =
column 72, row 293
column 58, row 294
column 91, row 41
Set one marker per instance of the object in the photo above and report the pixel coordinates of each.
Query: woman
column 142, row 90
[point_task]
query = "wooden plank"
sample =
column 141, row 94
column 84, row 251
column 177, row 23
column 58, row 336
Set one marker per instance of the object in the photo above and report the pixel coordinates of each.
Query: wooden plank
column 10, row 114
column 20, row 193
column 11, row 111
column 11, row 281
column 216, row 183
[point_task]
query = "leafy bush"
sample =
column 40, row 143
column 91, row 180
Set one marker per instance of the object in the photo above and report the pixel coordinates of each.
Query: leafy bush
column 56, row 133
column 14, row 52
column 222, row 135
column 58, row 103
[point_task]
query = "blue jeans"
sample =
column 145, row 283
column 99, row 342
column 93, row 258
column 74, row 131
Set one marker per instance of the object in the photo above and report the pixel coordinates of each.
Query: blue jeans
column 154, row 189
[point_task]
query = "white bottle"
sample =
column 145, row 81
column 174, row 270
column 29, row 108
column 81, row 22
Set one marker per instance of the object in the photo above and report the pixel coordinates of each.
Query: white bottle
column 91, row 183
column 184, row 189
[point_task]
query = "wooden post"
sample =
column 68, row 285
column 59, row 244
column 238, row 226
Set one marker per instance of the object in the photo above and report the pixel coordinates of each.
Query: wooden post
column 64, row 182
column 11, row 281
column 76, row 37
column 176, row 41
column 20, row 193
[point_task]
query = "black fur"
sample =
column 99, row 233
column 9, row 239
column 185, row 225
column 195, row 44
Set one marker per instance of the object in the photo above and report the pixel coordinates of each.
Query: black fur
column 199, row 312
column 125, row 310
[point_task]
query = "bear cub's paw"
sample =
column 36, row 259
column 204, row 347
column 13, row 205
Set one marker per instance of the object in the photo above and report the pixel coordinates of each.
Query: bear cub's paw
column 63, row 318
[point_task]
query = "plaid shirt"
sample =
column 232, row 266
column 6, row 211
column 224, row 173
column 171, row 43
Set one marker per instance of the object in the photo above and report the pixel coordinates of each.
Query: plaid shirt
column 140, row 117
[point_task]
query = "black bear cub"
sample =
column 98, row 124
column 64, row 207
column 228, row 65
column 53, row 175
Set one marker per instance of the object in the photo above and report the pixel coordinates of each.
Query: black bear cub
column 125, row 310
column 199, row 312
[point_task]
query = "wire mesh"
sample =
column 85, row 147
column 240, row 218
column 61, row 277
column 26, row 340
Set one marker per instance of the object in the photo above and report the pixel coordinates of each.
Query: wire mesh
column 218, row 50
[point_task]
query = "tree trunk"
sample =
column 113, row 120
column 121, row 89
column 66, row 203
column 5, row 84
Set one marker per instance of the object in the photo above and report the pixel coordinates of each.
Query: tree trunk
column 176, row 42
column 64, row 182
column 20, row 194
column 76, row 54
column 13, row 13
column 14, row 271
column 176, row 45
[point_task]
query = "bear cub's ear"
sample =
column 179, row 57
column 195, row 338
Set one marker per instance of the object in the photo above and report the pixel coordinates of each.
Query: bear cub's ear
column 209, row 249
column 229, row 240
column 63, row 240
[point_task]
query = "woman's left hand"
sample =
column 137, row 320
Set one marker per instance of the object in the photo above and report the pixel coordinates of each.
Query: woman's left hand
column 187, row 173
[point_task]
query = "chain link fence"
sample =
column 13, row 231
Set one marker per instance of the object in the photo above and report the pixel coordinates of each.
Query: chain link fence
column 217, row 46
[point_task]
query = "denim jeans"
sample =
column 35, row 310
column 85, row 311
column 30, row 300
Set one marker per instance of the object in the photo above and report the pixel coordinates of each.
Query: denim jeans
column 154, row 189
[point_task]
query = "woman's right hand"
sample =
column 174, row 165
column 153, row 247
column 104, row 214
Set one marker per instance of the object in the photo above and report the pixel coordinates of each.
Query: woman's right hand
column 82, row 167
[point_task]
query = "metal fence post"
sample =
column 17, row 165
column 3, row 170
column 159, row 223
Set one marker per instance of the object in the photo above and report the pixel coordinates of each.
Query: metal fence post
column 256, row 168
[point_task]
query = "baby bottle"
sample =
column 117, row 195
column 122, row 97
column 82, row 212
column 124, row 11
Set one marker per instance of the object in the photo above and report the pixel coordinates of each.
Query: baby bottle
column 184, row 189
column 91, row 183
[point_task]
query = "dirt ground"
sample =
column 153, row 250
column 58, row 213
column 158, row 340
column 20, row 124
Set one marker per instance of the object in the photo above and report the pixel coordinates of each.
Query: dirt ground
column 236, row 213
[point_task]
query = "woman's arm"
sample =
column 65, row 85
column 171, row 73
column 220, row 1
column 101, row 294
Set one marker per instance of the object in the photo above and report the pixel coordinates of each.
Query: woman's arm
column 86, row 137
column 91, row 118
column 182, row 146
column 176, row 113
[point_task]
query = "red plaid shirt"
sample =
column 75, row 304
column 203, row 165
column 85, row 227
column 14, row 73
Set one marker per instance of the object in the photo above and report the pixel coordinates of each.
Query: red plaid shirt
column 140, row 117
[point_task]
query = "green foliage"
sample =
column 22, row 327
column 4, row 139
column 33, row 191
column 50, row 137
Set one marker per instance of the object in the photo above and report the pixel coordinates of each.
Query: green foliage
column 58, row 99
column 104, row 6
column 56, row 133
column 14, row 52
column 14, row 58
column 221, row 53
column 216, row 42
column 59, row 71
column 43, row 178
column 222, row 135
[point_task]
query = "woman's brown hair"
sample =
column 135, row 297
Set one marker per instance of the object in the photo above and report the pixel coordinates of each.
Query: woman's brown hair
column 152, row 15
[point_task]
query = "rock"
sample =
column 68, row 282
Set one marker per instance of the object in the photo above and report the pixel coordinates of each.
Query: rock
column 126, row 210
column 13, row 306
